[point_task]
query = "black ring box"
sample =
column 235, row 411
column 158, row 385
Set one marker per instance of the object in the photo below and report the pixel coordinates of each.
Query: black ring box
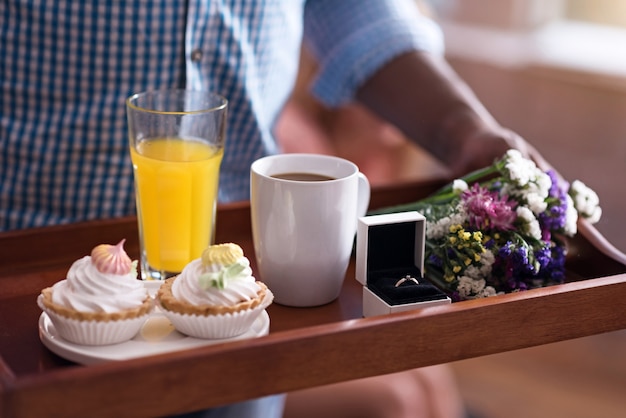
column 389, row 248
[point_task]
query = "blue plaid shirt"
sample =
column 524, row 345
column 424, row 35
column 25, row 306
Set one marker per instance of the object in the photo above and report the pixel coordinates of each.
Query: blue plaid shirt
column 67, row 66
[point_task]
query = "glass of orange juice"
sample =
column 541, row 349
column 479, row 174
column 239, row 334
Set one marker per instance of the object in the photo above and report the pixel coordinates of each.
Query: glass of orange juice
column 176, row 146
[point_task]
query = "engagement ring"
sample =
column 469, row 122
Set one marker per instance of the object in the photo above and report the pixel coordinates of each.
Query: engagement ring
column 407, row 278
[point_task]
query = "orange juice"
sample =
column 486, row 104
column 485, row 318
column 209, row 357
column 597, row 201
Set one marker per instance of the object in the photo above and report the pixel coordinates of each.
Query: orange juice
column 176, row 182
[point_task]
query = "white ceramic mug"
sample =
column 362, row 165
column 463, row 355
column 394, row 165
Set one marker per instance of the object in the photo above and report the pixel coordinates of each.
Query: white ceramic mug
column 304, row 229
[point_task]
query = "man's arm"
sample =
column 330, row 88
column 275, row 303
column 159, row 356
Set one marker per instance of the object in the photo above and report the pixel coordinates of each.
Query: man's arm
column 422, row 95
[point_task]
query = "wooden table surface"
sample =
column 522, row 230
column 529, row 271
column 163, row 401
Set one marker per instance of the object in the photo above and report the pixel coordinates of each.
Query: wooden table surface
column 306, row 346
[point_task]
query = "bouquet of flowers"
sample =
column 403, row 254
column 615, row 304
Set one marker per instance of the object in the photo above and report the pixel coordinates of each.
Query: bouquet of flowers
column 501, row 229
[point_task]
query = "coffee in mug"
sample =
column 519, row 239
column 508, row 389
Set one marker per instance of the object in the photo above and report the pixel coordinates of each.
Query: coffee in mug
column 303, row 177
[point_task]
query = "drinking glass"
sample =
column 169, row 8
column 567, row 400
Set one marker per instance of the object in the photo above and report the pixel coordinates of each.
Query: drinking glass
column 176, row 146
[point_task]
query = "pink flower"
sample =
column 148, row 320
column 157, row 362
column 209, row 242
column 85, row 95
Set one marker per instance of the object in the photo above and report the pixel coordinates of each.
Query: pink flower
column 487, row 210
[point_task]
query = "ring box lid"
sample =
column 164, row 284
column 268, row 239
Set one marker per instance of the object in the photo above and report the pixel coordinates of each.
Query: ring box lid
column 388, row 243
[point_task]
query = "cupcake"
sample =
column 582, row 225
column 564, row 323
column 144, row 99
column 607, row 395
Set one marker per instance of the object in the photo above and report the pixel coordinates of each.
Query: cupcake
column 101, row 301
column 215, row 296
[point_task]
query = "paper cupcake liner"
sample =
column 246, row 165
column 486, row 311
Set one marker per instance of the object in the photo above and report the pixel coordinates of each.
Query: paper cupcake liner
column 94, row 332
column 217, row 326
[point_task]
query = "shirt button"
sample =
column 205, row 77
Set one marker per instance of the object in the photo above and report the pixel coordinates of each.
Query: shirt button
column 196, row 55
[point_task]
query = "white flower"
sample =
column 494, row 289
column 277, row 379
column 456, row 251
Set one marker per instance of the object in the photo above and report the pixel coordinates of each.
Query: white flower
column 478, row 285
column 466, row 287
column 459, row 186
column 536, row 202
column 524, row 173
column 436, row 230
column 486, row 260
column 595, row 216
column 542, row 183
column 469, row 288
column 531, row 224
column 440, row 228
column 483, row 269
column 487, row 292
column 571, row 217
column 586, row 201
column 520, row 169
column 473, row 272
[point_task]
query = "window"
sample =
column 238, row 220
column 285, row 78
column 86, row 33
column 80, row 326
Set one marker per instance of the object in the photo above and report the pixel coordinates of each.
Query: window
column 580, row 36
column 601, row 12
column 502, row 14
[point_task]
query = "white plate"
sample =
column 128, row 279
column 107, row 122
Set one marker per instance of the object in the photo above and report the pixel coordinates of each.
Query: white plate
column 157, row 336
column 152, row 286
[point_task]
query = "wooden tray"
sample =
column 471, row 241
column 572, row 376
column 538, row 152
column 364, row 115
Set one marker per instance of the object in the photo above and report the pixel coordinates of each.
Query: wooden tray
column 306, row 346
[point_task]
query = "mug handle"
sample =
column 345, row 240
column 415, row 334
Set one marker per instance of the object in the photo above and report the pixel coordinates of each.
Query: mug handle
column 363, row 201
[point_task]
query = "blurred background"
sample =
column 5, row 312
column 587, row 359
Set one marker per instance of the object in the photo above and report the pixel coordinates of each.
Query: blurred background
column 554, row 71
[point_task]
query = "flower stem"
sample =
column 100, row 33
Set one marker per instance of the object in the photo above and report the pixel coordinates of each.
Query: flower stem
column 443, row 195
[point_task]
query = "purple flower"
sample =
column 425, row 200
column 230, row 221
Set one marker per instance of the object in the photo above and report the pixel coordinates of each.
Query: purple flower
column 554, row 272
column 554, row 218
column 486, row 210
column 435, row 260
column 521, row 260
column 506, row 250
column 543, row 256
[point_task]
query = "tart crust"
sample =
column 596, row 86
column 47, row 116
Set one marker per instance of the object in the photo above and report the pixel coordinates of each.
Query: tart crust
column 142, row 309
column 168, row 301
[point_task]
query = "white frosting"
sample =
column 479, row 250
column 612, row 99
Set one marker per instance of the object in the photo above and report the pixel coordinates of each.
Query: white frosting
column 88, row 290
column 196, row 285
